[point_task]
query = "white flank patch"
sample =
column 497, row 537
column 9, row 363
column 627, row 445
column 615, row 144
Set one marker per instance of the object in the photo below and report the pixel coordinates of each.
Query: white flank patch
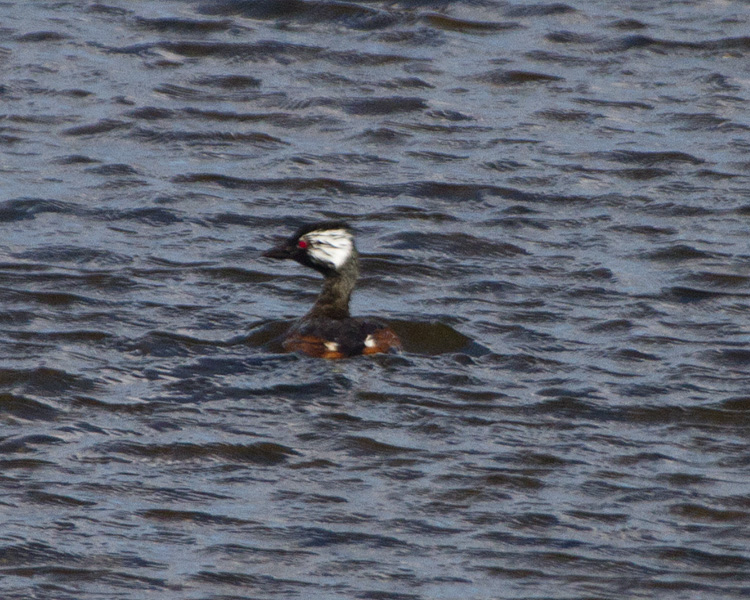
column 370, row 341
column 333, row 246
column 331, row 346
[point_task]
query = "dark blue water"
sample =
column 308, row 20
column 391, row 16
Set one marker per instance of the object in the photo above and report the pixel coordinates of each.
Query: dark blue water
column 552, row 205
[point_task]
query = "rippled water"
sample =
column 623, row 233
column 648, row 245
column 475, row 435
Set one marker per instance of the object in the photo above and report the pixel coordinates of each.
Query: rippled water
column 552, row 204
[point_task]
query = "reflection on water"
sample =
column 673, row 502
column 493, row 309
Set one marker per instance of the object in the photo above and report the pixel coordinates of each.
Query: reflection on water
column 551, row 203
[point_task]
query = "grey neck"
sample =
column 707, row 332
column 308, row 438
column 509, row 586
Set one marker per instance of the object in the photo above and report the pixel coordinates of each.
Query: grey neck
column 333, row 301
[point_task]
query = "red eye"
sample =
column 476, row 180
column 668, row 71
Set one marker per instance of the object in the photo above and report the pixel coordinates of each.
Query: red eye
column 302, row 244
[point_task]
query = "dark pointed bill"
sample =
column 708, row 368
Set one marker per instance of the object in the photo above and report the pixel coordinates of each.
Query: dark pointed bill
column 280, row 252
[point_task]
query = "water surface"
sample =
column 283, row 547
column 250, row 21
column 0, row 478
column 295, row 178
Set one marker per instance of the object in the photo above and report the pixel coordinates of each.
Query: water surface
column 552, row 207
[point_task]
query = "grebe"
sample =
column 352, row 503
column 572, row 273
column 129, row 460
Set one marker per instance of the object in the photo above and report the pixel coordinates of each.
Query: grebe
column 328, row 331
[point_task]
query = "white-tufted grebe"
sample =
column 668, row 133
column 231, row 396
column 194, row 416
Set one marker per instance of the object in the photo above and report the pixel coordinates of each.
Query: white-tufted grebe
column 328, row 331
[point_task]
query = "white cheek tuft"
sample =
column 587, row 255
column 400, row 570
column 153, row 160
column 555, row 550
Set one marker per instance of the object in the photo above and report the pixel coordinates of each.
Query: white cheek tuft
column 333, row 246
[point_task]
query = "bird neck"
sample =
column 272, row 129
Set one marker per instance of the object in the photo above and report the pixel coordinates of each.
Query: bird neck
column 333, row 301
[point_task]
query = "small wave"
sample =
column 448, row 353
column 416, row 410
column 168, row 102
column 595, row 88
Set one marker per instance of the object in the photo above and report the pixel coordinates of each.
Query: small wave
column 28, row 208
column 732, row 357
column 641, row 174
column 259, row 453
column 272, row 585
column 74, row 254
column 27, row 443
column 154, row 216
column 647, row 158
column 62, row 500
column 635, row 41
column 569, row 116
column 448, row 23
column 457, row 244
column 182, row 92
column 502, row 77
column 75, row 159
column 383, row 106
column 678, row 253
column 700, row 121
column 45, row 381
column 25, row 408
column 722, row 280
column 346, row 14
column 228, row 82
column 572, row 37
column 708, row 514
column 298, row 184
column 539, row 10
column 194, row 517
column 256, row 139
column 715, row 562
column 178, row 25
column 169, row 344
column 99, row 128
column 41, row 36
column 113, row 170
column 365, row 446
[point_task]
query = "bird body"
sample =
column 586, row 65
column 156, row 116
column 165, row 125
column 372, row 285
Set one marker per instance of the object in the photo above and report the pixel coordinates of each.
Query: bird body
column 328, row 330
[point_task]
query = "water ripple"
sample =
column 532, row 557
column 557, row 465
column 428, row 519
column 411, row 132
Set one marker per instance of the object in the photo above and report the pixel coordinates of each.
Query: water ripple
column 551, row 210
